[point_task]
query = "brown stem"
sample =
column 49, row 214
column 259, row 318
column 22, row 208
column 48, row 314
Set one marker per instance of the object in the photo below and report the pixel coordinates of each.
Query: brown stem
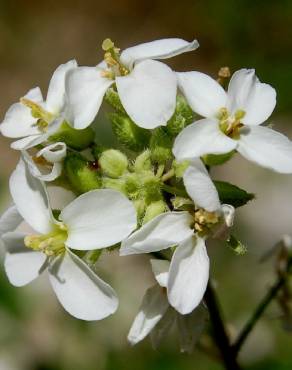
column 220, row 336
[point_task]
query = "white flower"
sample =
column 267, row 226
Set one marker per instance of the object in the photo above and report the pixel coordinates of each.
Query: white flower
column 156, row 316
column 147, row 91
column 189, row 267
column 33, row 119
column 232, row 120
column 53, row 156
column 95, row 220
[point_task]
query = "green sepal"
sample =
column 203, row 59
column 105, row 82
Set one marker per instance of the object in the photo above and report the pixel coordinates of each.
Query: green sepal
column 236, row 245
column 183, row 116
column 128, row 133
column 232, row 194
column 161, row 146
column 143, row 162
column 113, row 99
column 76, row 139
column 80, row 175
column 217, row 159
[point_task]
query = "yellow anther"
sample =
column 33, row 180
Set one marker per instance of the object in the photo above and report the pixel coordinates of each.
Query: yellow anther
column 50, row 244
column 204, row 220
column 230, row 124
column 37, row 111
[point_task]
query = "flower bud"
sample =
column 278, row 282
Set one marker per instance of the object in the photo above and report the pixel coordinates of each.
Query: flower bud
column 115, row 184
column 182, row 117
column 143, row 162
column 113, row 163
column 112, row 98
column 180, row 167
column 153, row 210
column 161, row 146
column 79, row 174
column 130, row 135
column 76, row 139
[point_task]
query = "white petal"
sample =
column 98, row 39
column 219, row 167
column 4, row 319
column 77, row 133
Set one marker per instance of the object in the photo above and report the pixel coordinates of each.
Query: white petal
column 163, row 231
column 80, row 291
column 158, row 49
column 33, row 140
column 56, row 92
column 153, row 307
column 267, row 148
column 98, row 219
column 222, row 230
column 200, row 138
column 18, row 121
column 160, row 270
column 30, row 198
column 85, row 88
column 247, row 93
column 29, row 142
column 191, row 327
column 9, row 220
column 59, row 196
column 162, row 328
column 54, row 152
column 200, row 187
column 204, row 95
column 148, row 93
column 22, row 265
column 228, row 214
column 240, row 86
column 188, row 275
column 35, row 171
column 260, row 105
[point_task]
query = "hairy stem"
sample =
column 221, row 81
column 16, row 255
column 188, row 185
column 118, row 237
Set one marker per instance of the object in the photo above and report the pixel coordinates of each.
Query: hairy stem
column 220, row 336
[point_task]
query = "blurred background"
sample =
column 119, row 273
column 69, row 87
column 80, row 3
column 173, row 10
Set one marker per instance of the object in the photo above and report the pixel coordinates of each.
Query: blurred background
column 37, row 36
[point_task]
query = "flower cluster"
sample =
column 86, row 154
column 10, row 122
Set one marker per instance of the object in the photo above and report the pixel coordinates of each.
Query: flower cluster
column 150, row 193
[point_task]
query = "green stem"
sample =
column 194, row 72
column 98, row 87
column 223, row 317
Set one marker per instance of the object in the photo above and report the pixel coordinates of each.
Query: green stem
column 173, row 190
column 168, row 175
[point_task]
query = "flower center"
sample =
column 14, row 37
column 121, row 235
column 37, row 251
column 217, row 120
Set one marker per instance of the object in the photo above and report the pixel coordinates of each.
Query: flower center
column 112, row 59
column 230, row 124
column 52, row 244
column 43, row 117
column 204, row 221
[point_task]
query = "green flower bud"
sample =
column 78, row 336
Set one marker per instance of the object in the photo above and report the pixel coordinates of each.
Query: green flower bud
column 180, row 167
column 161, row 146
column 140, row 206
column 129, row 134
column 151, row 188
column 112, row 98
column 115, row 184
column 79, row 174
column 113, row 163
column 132, row 185
column 182, row 117
column 154, row 209
column 76, row 139
column 143, row 162
column 182, row 203
column 236, row 245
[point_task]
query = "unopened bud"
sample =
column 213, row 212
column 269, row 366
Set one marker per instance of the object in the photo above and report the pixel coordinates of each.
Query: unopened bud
column 128, row 133
column 76, row 139
column 143, row 162
column 161, row 146
column 80, row 175
column 153, row 210
column 113, row 163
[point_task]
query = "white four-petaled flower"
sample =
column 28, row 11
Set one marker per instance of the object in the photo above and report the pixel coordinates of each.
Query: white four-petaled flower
column 189, row 267
column 34, row 120
column 95, row 220
column 232, row 120
column 147, row 92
